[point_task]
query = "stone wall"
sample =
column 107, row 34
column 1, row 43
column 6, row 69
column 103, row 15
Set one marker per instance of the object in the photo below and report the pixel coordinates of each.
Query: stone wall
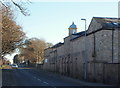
column 104, row 73
column 118, row 44
column 77, row 55
column 103, row 43
column 100, row 49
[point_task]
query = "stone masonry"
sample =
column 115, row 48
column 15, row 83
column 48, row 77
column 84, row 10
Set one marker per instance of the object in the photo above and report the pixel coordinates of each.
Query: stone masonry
column 96, row 55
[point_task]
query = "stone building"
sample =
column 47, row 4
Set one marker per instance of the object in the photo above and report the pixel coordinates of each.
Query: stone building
column 93, row 57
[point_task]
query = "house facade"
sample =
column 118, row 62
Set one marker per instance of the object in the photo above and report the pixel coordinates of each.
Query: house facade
column 92, row 55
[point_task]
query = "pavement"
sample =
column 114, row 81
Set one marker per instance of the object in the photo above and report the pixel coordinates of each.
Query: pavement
column 5, row 67
column 29, row 77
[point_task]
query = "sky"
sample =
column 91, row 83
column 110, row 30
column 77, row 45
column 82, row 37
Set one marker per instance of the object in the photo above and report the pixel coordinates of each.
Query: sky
column 50, row 20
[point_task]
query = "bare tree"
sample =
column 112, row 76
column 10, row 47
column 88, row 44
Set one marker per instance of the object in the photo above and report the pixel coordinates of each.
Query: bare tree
column 11, row 33
column 21, row 5
column 34, row 49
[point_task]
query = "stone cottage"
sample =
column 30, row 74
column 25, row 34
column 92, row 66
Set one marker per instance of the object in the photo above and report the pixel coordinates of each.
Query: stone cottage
column 92, row 55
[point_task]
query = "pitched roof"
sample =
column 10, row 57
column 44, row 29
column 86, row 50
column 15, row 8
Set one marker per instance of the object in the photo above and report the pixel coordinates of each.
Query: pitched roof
column 79, row 34
column 57, row 45
column 107, row 22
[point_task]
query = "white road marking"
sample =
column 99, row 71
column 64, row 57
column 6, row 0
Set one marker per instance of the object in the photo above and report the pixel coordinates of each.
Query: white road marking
column 39, row 80
column 45, row 82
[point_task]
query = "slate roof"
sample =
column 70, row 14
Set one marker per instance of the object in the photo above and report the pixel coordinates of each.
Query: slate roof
column 57, row 45
column 79, row 34
column 108, row 23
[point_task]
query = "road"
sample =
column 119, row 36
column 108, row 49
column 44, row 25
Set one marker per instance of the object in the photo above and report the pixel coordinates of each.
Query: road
column 32, row 77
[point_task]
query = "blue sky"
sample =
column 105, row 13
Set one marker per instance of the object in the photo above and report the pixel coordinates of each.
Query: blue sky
column 50, row 20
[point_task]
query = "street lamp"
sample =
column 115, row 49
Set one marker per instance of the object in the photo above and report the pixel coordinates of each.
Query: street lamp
column 85, row 59
column 85, row 25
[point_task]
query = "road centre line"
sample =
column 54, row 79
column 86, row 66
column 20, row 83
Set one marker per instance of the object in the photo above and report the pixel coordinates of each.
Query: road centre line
column 45, row 82
column 39, row 79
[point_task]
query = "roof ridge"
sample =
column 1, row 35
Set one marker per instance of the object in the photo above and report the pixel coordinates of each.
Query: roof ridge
column 107, row 17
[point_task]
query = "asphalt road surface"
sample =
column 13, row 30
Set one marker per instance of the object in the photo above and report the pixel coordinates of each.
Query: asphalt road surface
column 32, row 77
